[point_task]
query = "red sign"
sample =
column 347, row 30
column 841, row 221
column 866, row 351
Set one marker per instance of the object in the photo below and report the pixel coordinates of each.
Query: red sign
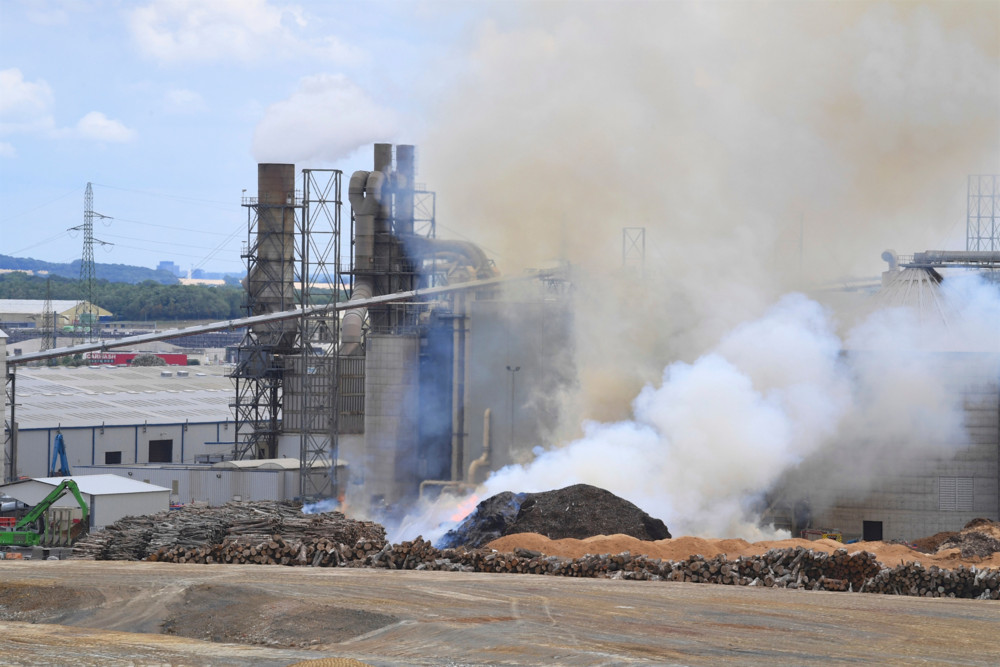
column 124, row 358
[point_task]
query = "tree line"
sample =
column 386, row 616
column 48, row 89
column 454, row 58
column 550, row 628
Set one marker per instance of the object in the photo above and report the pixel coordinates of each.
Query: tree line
column 147, row 300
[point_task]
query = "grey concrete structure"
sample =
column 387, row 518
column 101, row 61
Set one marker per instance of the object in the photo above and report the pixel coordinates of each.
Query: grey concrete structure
column 389, row 462
column 923, row 488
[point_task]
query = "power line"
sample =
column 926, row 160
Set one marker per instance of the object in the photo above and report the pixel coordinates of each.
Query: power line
column 227, row 205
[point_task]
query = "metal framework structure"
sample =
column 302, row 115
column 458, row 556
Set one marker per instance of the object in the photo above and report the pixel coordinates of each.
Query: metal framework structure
column 48, row 319
column 317, row 371
column 425, row 213
column 982, row 227
column 87, row 271
column 10, row 428
column 259, row 373
column 286, row 377
column 634, row 248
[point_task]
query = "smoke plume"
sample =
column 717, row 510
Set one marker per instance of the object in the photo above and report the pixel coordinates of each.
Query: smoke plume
column 764, row 148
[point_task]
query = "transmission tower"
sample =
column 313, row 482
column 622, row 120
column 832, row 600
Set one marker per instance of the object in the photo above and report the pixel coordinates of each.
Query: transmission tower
column 48, row 319
column 87, row 274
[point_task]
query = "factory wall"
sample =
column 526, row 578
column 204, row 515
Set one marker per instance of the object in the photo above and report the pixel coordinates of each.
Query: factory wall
column 390, row 442
column 124, row 444
column 947, row 486
column 205, row 484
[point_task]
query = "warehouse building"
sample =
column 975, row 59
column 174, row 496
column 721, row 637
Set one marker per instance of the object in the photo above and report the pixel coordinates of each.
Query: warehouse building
column 111, row 415
column 30, row 313
column 108, row 497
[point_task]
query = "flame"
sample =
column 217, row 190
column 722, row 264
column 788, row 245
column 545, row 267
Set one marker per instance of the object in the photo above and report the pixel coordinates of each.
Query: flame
column 465, row 508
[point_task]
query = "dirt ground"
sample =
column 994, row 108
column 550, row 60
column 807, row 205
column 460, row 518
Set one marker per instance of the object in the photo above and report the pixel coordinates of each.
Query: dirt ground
column 111, row 614
column 680, row 548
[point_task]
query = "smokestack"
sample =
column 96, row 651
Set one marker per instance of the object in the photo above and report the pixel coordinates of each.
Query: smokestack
column 271, row 279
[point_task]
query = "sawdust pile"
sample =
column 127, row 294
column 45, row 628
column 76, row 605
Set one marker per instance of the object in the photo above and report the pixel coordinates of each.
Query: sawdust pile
column 977, row 544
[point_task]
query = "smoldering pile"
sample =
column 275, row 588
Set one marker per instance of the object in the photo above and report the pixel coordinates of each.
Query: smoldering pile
column 577, row 511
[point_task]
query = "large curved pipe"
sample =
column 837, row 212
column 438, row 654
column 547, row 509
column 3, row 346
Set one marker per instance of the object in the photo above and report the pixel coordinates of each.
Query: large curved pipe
column 484, row 458
column 459, row 253
column 365, row 194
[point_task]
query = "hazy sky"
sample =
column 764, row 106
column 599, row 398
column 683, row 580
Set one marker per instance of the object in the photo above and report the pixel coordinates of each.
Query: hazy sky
column 853, row 125
column 167, row 106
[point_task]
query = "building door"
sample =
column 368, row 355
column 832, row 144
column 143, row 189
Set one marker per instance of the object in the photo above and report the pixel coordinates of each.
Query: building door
column 871, row 531
column 161, row 451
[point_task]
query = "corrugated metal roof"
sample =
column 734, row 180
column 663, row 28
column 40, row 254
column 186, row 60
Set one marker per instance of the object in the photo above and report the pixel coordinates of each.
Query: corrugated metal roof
column 89, row 396
column 274, row 464
column 35, row 306
column 32, row 491
column 104, row 485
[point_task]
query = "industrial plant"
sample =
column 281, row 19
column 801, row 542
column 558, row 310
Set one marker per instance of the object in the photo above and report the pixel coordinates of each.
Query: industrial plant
column 380, row 365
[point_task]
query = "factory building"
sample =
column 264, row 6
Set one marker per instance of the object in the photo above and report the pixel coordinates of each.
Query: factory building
column 110, row 415
column 30, row 313
column 425, row 393
column 880, row 489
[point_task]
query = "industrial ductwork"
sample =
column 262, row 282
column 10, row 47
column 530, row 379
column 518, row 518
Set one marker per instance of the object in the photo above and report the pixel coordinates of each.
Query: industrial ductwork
column 365, row 194
column 460, row 261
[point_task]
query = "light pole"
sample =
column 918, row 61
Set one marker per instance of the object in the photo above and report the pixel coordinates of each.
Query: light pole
column 513, row 377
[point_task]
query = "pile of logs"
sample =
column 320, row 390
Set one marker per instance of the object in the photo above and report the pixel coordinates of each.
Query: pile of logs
column 195, row 533
column 278, row 534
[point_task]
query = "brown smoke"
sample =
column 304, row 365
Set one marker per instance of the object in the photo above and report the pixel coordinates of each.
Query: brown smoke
column 735, row 133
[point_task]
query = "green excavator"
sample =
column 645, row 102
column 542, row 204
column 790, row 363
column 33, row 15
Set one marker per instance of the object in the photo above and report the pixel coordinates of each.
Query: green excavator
column 38, row 528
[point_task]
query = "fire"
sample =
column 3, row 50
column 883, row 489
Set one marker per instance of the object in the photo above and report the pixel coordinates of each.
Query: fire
column 465, row 508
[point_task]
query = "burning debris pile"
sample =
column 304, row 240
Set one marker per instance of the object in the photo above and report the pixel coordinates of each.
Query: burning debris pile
column 576, row 511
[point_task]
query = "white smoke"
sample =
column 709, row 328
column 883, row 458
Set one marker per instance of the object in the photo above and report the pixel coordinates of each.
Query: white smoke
column 764, row 148
column 706, row 442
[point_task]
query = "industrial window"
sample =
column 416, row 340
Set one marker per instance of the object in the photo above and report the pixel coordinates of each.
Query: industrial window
column 161, row 451
column 174, row 487
column 112, row 458
column 955, row 494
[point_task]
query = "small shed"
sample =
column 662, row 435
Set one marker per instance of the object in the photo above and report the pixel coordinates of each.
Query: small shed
column 109, row 497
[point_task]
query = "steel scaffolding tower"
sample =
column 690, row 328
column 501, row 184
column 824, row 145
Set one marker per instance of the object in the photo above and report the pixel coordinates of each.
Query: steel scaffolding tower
column 317, row 372
column 259, row 371
column 287, row 372
column 982, row 227
column 634, row 249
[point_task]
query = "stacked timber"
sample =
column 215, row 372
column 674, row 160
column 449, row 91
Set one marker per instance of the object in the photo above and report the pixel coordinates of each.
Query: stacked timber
column 914, row 579
column 278, row 534
column 215, row 534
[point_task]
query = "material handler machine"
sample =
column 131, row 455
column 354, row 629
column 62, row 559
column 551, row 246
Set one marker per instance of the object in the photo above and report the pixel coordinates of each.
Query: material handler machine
column 46, row 525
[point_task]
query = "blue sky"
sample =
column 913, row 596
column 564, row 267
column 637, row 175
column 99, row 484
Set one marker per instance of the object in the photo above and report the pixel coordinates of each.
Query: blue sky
column 167, row 105
column 766, row 135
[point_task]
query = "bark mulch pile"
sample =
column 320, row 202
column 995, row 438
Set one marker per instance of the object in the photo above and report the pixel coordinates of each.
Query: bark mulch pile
column 577, row 511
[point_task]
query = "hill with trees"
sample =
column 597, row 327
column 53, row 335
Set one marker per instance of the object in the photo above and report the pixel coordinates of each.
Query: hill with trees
column 115, row 273
column 148, row 300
